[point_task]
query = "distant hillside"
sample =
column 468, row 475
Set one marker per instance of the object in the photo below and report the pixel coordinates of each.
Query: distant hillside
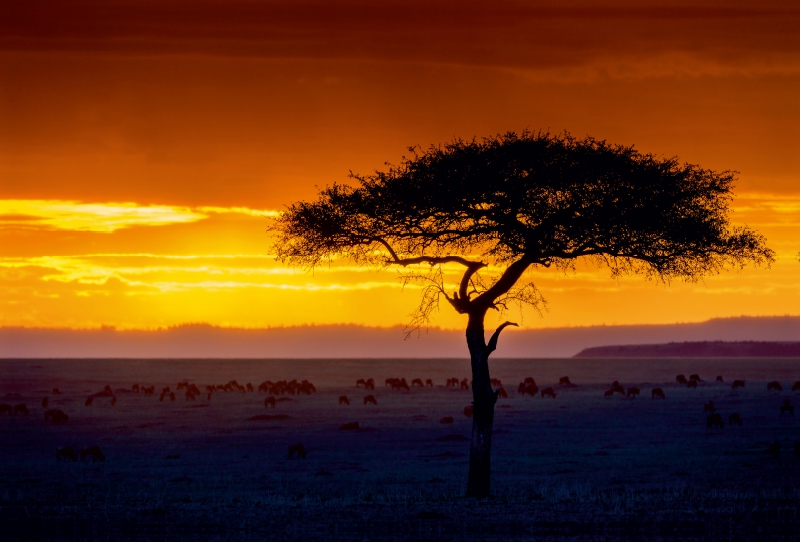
column 347, row 341
column 704, row 349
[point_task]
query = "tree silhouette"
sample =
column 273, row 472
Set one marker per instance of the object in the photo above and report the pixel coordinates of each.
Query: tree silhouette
column 514, row 202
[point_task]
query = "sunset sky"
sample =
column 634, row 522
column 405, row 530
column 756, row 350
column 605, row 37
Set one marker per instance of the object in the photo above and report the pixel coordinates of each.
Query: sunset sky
column 144, row 146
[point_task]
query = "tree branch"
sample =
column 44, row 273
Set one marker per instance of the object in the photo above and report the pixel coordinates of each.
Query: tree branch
column 492, row 346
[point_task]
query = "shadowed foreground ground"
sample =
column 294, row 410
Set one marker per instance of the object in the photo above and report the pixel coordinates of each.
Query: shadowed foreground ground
column 580, row 467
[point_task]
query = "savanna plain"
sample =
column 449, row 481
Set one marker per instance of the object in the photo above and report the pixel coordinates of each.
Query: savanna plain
column 580, row 466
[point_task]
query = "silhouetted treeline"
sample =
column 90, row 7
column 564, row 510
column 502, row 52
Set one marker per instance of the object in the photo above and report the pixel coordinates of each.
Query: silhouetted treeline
column 704, row 349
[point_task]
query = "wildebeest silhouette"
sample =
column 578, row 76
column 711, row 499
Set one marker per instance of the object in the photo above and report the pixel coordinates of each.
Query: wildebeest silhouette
column 530, row 389
column 370, row 385
column 135, row 388
column 691, row 384
column 735, row 419
column 719, row 378
column 632, row 393
column 608, row 393
column 428, row 383
column 529, row 381
column 66, row 453
column 45, row 402
column 502, row 393
column 796, row 386
column 549, row 392
column 452, row 382
column 774, row 386
column 55, row 416
column 343, row 400
column 6, row 409
column 93, row 453
column 465, row 384
column 695, row 377
column 352, row 426
column 468, row 411
column 616, row 387
column 21, row 409
column 89, row 401
column 796, row 447
column 370, row 399
column 165, row 391
column 715, row 420
column 417, row 382
column 270, row 401
column 737, row 384
column 564, row 381
column 680, row 379
column 495, row 382
column 709, row 407
column 56, row 391
column 249, row 387
column 787, row 407
column 657, row 393
column 361, row 382
column 148, row 391
column 447, row 419
column 297, row 450
column 774, row 449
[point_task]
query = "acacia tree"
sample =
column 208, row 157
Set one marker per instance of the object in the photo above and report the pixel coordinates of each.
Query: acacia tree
column 503, row 205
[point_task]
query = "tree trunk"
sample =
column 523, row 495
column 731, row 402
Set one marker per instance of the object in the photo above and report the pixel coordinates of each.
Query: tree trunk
column 484, row 398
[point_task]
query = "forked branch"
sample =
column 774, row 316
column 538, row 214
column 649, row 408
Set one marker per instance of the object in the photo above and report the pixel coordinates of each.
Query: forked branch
column 492, row 345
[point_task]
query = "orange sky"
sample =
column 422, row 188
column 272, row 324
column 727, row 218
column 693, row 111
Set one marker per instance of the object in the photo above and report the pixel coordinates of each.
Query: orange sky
column 143, row 148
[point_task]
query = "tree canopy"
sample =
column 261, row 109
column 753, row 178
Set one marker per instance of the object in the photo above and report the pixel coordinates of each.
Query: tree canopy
column 533, row 198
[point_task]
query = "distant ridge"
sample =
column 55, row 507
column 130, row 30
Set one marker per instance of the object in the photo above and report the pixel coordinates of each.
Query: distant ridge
column 703, row 349
column 351, row 341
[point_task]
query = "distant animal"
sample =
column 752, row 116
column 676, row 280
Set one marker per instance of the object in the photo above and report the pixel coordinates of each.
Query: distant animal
column 370, row 384
column 680, row 379
column 616, row 387
column 428, row 383
column 549, row 392
column 56, row 391
column 93, row 453
column 465, row 384
column 417, row 382
column 352, row 426
column 113, row 400
column 564, row 381
column 45, row 402
column 657, row 393
column 55, row 416
column 695, row 377
column 796, row 447
column 270, row 402
column 709, row 407
column 502, row 393
column 495, row 382
column 719, row 378
column 796, row 386
column 447, row 419
column 468, row 411
column 343, row 400
column 452, row 382
column 135, row 388
column 249, row 387
column 66, row 453
column 6, row 409
column 715, row 420
column 370, row 399
column 632, row 393
column 89, row 401
column 389, row 381
column 774, row 449
column 691, row 384
column 530, row 381
column 361, row 382
column 297, row 450
column 530, row 389
column 787, row 407
column 165, row 391
column 737, row 384
column 608, row 393
column 21, row 409
column 735, row 419
column 774, row 386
